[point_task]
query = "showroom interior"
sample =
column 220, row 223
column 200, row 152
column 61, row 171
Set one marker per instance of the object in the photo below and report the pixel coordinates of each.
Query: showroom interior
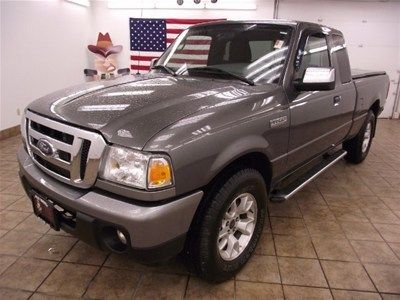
column 336, row 238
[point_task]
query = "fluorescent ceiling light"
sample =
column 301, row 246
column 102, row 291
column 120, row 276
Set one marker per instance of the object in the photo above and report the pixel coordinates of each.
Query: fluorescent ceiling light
column 80, row 2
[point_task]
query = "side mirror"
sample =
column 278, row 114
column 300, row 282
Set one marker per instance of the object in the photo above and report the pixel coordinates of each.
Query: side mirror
column 153, row 62
column 317, row 79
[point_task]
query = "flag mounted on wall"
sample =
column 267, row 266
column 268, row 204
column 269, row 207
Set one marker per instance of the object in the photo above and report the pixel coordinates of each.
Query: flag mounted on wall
column 150, row 37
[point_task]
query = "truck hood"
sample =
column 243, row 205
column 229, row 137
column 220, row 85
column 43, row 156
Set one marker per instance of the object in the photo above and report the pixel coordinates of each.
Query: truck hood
column 130, row 110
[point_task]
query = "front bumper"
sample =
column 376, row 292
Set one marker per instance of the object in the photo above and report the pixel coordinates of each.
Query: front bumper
column 155, row 232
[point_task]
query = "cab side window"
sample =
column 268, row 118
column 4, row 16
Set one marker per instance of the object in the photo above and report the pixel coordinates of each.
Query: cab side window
column 314, row 53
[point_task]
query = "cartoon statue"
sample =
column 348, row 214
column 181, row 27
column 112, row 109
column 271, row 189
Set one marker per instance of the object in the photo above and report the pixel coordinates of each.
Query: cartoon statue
column 105, row 62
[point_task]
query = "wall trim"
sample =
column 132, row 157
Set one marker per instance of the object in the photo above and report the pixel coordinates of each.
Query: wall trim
column 9, row 132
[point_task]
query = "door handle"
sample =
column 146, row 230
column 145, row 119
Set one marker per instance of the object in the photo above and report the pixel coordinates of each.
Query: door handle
column 336, row 100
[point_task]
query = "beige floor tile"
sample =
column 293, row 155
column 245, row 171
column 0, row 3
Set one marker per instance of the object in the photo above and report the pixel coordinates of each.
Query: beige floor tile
column 384, row 216
column 6, row 261
column 294, row 246
column 161, row 286
column 23, row 204
column 334, row 249
column 199, row 289
column 339, row 201
column 51, row 247
column 390, row 232
column 265, row 245
column 10, row 219
column 14, row 294
column 113, row 284
column 316, row 213
column 26, row 273
column 305, row 199
column 290, row 226
column 354, row 295
column 396, row 248
column 126, row 262
column 347, row 275
column 255, row 290
column 17, row 242
column 385, row 277
column 375, row 252
column 360, row 231
column 3, row 232
column 260, row 268
column 305, row 293
column 85, row 254
column 6, row 200
column 348, row 214
column 301, row 271
column 284, row 209
column 68, row 280
column 330, row 229
column 41, row 296
column 392, row 203
column 15, row 189
column 33, row 224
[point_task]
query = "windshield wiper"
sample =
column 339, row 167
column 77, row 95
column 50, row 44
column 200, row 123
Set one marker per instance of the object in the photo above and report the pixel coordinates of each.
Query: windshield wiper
column 165, row 68
column 223, row 72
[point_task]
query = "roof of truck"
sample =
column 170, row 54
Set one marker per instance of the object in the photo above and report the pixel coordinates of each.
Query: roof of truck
column 269, row 21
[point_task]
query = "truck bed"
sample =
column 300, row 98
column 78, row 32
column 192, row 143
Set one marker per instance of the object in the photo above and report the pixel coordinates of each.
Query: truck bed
column 357, row 73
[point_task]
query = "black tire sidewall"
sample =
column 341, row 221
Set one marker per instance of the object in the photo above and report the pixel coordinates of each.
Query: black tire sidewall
column 370, row 120
column 248, row 181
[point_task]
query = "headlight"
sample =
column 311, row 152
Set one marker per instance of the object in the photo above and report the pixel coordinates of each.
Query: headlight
column 137, row 169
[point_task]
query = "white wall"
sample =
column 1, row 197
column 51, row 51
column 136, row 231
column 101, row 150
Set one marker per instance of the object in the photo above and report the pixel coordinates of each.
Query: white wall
column 42, row 50
column 116, row 21
column 371, row 30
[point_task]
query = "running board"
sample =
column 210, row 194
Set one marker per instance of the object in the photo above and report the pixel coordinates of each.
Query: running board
column 297, row 185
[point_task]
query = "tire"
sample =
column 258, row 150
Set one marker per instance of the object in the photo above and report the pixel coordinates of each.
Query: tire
column 203, row 255
column 358, row 147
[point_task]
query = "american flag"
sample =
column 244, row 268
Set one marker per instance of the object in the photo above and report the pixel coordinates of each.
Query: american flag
column 151, row 37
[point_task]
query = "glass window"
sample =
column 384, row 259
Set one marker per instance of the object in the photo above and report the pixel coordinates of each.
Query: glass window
column 315, row 53
column 255, row 51
column 339, row 50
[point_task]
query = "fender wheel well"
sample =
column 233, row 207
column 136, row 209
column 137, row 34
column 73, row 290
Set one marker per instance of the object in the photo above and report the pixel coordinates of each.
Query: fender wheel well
column 375, row 108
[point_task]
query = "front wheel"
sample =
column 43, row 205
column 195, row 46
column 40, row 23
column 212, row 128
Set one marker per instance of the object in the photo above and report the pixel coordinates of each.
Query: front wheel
column 358, row 147
column 230, row 224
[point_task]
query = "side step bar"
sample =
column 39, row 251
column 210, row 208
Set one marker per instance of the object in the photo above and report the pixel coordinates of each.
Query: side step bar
column 297, row 185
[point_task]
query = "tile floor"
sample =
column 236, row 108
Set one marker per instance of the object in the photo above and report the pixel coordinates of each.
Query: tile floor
column 338, row 238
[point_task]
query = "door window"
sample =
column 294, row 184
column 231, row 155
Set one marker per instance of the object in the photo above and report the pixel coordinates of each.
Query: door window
column 314, row 54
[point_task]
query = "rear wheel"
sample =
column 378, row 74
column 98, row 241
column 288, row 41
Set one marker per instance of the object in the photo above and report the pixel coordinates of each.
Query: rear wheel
column 229, row 225
column 358, row 147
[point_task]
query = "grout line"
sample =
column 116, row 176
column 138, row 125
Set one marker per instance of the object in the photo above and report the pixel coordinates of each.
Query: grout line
column 57, row 264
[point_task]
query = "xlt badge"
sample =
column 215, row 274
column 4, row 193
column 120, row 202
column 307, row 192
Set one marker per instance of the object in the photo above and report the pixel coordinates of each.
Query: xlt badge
column 278, row 121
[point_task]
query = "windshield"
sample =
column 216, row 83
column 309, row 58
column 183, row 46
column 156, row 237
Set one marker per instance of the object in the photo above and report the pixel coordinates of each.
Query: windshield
column 252, row 51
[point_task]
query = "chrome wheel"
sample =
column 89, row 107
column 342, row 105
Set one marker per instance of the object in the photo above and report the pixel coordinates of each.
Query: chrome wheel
column 367, row 137
column 237, row 226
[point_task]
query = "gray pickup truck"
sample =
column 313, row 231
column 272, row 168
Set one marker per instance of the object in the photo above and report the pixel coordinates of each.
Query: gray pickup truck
column 184, row 159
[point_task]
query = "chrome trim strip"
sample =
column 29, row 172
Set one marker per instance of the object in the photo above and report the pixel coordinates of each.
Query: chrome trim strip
column 298, row 188
column 97, row 147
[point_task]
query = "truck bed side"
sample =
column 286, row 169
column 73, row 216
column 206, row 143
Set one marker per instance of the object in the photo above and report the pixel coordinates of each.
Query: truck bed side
column 372, row 89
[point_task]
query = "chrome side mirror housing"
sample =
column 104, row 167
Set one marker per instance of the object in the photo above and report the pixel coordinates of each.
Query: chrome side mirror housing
column 317, row 79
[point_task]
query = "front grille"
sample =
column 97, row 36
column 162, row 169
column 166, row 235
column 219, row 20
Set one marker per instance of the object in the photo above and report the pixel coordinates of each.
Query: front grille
column 72, row 155
column 58, row 135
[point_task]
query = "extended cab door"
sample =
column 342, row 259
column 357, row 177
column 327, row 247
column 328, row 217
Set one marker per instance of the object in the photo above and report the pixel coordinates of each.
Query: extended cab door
column 317, row 117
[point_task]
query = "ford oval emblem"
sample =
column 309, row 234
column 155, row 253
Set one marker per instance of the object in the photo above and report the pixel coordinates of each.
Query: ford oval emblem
column 45, row 147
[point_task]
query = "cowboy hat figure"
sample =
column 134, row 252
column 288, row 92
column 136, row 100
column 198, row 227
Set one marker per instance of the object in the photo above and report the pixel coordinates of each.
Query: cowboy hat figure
column 105, row 62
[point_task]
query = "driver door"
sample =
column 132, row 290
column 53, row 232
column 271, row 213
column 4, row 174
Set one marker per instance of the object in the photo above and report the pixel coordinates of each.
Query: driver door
column 313, row 114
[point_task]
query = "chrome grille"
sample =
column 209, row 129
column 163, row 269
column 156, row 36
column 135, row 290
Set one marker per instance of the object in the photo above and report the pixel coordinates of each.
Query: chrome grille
column 77, row 152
